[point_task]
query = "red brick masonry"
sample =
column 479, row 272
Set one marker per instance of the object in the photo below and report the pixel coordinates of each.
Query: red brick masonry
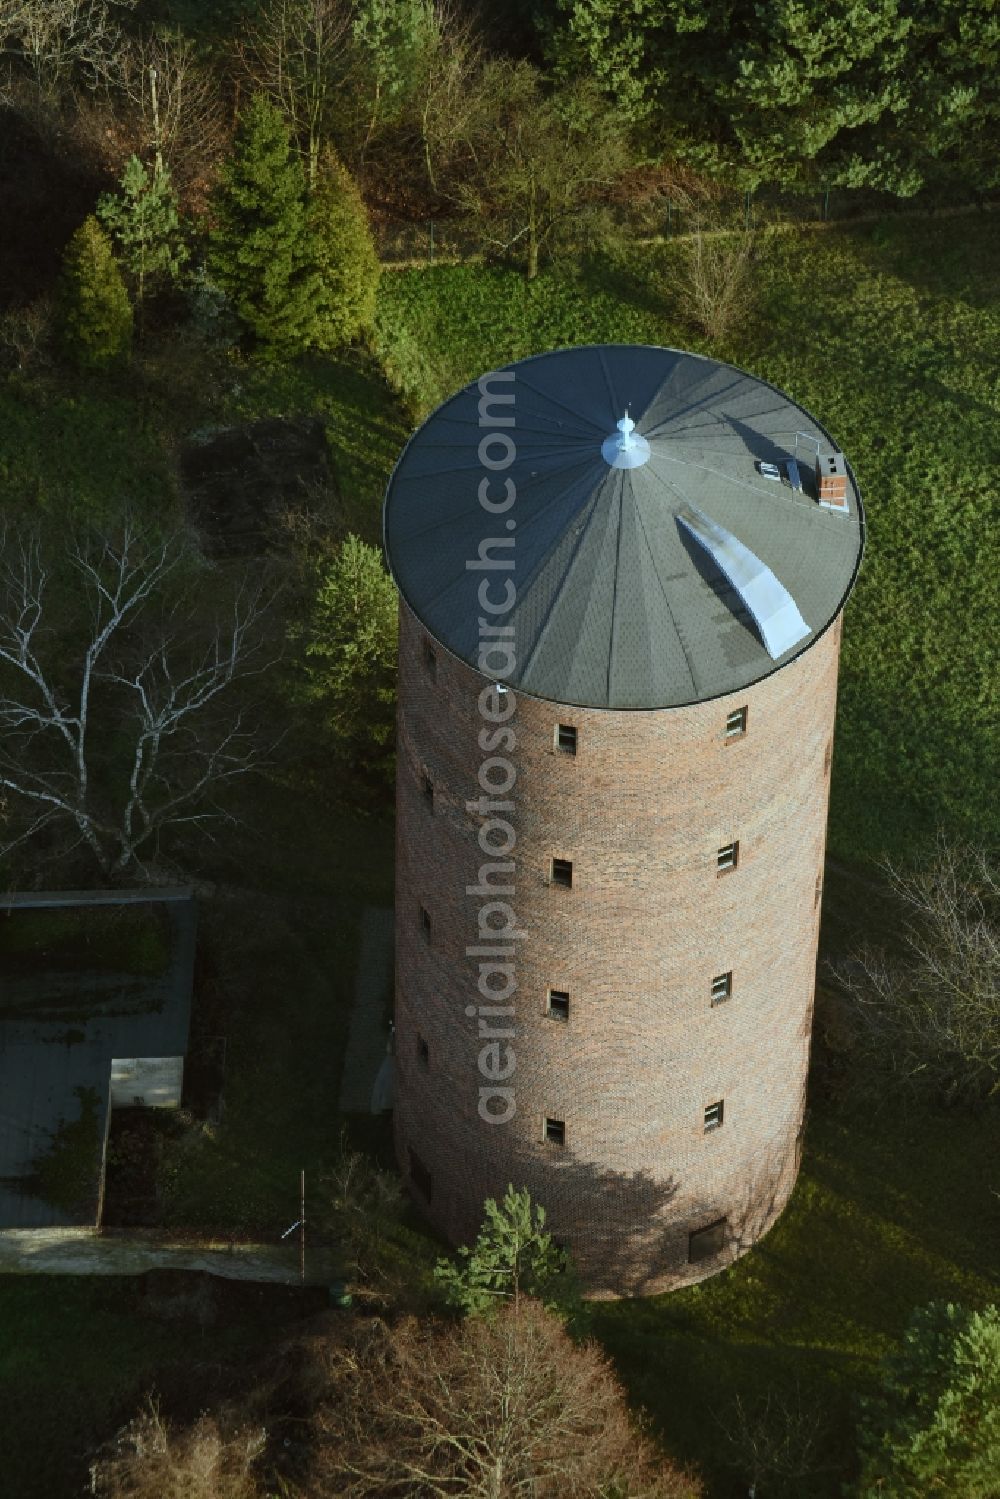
column 641, row 811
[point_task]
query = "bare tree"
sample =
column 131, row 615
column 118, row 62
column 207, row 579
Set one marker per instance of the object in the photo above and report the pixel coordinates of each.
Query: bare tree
column 111, row 725
column 150, row 1460
column 773, row 1439
column 495, row 1408
column 445, row 99
column 63, row 41
column 298, row 53
column 928, row 1017
column 716, row 277
column 542, row 163
column 177, row 102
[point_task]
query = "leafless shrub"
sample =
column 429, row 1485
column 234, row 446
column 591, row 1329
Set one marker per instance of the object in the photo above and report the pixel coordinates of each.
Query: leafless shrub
column 177, row 105
column 25, row 336
column 60, row 43
column 495, row 1408
column 150, row 1460
column 927, row 1019
column 773, row 1439
column 716, row 279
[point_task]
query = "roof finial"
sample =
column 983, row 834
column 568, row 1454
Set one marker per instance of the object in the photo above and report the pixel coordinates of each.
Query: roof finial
column 626, row 427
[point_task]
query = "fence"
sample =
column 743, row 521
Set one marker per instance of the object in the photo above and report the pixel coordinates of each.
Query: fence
column 431, row 241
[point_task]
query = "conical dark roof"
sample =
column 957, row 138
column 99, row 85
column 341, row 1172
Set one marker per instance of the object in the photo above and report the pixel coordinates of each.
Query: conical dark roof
column 684, row 577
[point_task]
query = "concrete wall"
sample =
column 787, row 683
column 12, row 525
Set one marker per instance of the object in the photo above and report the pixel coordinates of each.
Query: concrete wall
column 641, row 811
column 157, row 1081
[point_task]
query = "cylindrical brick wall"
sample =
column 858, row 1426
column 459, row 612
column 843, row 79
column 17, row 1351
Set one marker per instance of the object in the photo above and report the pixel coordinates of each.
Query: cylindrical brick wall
column 641, row 810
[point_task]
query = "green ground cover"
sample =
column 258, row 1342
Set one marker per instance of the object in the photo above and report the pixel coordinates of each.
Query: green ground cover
column 887, row 1214
column 889, row 336
column 79, row 1355
column 126, row 939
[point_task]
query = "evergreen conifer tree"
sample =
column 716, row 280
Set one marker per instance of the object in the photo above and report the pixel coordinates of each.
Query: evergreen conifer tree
column 261, row 252
column 143, row 218
column 94, row 312
column 345, row 255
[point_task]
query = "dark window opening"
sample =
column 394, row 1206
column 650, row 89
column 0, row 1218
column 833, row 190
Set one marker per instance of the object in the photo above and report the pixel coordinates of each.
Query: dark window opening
column 425, row 922
column 427, row 787
column 559, row 1004
column 736, row 723
column 555, row 1131
column 722, row 987
column 713, row 1115
column 420, row 1176
column 706, row 1243
column 566, row 738
column 828, row 757
column 430, row 659
column 423, row 1052
column 727, row 857
column 562, row 872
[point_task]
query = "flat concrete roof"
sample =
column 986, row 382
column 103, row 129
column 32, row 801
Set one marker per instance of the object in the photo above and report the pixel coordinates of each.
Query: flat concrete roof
column 61, row 1026
column 617, row 605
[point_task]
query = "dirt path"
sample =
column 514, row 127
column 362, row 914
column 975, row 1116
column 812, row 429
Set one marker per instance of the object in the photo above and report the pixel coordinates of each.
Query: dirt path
column 74, row 1251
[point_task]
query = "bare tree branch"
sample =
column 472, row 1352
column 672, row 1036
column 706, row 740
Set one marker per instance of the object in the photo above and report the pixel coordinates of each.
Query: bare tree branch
column 136, row 669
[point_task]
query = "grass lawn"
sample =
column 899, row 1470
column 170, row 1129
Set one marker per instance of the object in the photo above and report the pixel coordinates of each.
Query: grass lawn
column 887, row 1214
column 889, row 335
column 78, row 1356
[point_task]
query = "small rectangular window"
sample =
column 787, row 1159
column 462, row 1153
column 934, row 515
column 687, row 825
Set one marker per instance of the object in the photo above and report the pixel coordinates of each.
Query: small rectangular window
column 562, row 872
column 430, row 659
column 828, row 757
column 713, row 1115
column 425, row 922
column 427, row 787
column 555, row 1131
column 706, row 1243
column 727, row 857
column 423, row 1052
column 566, row 738
column 736, row 723
column 559, row 1004
column 722, row 987
column 420, row 1176
column 819, row 891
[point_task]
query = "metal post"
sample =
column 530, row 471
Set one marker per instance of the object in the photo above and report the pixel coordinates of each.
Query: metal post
column 302, row 1227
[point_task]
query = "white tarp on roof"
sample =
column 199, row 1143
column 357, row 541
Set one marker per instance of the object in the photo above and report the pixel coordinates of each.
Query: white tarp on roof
column 769, row 603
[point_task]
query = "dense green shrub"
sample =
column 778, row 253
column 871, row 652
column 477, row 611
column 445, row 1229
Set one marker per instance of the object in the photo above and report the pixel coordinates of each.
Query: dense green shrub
column 261, row 251
column 345, row 257
column 94, row 313
column 934, row 1427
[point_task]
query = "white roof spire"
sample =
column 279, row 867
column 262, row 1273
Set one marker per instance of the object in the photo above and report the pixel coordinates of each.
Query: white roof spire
column 623, row 449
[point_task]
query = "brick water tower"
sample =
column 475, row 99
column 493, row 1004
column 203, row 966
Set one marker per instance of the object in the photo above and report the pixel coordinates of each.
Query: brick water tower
column 622, row 571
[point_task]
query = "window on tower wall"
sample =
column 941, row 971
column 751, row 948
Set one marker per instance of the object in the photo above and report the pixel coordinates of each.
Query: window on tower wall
column 427, row 787
column 430, row 659
column 705, row 1243
column 423, row 1053
column 558, row 1006
column 722, row 987
column 562, row 872
column 555, row 1131
column 566, row 738
column 425, row 922
column 420, row 1176
column 713, row 1115
column 736, row 724
column 727, row 857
